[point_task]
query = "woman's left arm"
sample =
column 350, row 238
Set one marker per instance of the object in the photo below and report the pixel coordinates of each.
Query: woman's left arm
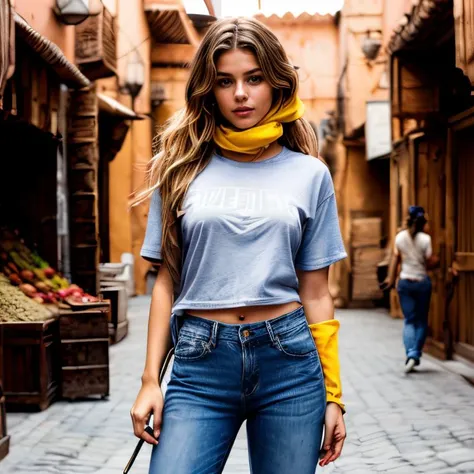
column 315, row 297
column 319, row 307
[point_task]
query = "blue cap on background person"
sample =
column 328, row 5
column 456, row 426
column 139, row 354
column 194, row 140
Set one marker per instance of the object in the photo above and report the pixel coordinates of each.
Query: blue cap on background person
column 416, row 211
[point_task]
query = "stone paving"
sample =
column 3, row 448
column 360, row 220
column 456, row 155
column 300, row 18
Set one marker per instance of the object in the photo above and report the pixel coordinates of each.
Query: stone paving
column 398, row 424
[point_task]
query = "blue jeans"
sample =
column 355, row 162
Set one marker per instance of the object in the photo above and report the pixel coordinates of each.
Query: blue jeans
column 415, row 302
column 267, row 373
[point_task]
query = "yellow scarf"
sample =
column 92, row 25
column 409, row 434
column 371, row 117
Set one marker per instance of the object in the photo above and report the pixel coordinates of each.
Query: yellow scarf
column 254, row 139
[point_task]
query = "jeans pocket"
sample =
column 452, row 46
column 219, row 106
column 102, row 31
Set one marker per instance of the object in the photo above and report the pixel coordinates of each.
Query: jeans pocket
column 191, row 346
column 296, row 342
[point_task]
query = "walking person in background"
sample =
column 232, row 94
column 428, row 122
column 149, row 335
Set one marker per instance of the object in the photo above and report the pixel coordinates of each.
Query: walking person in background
column 244, row 220
column 413, row 249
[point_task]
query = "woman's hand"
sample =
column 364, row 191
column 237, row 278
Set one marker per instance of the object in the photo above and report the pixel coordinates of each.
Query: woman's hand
column 149, row 401
column 334, row 434
column 387, row 284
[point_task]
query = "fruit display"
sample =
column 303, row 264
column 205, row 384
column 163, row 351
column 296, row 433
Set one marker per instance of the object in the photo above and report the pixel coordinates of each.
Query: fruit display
column 16, row 306
column 34, row 277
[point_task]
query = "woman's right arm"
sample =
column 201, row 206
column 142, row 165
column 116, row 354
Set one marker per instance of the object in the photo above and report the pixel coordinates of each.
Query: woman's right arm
column 150, row 397
column 395, row 260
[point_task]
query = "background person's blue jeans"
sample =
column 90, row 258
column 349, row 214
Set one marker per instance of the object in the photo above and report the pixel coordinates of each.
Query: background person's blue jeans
column 415, row 302
column 267, row 373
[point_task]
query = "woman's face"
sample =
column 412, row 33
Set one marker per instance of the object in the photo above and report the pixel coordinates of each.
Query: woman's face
column 242, row 94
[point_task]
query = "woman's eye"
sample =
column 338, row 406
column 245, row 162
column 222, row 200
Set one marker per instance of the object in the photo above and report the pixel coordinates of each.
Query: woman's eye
column 224, row 82
column 255, row 79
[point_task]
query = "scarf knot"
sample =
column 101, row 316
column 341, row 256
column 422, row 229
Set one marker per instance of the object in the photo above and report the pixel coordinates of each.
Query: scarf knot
column 270, row 129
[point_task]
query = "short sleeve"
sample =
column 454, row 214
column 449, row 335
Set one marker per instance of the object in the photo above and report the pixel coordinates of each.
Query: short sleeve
column 322, row 243
column 396, row 250
column 151, row 248
column 428, row 248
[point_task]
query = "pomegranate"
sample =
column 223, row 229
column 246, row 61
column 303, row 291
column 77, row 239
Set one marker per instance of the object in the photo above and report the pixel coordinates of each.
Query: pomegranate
column 49, row 272
column 15, row 279
column 27, row 275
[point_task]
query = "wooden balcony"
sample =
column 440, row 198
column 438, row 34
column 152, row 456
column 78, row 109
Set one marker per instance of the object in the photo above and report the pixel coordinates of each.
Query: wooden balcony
column 96, row 46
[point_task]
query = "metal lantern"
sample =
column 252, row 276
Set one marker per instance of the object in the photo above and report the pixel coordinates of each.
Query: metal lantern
column 135, row 74
column 73, row 12
column 371, row 46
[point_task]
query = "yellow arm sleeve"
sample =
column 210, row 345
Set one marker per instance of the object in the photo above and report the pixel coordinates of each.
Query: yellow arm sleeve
column 325, row 335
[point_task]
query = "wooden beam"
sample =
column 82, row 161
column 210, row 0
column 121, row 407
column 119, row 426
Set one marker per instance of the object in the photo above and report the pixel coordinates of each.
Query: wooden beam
column 189, row 29
column 464, row 261
column 172, row 53
column 210, row 7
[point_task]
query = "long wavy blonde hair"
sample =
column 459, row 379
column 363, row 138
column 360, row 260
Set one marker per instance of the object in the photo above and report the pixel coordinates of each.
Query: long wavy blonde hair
column 185, row 144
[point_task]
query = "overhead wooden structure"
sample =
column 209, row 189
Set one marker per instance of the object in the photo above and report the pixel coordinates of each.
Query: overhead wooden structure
column 96, row 46
column 52, row 54
column 170, row 24
column 428, row 25
column 110, row 106
column 464, row 26
column 7, row 45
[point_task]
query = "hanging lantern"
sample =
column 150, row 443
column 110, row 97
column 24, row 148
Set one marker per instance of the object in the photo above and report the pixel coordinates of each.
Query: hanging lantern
column 134, row 75
column 73, row 12
column 371, row 46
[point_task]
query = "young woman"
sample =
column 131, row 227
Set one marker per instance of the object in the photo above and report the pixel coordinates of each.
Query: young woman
column 244, row 222
column 413, row 249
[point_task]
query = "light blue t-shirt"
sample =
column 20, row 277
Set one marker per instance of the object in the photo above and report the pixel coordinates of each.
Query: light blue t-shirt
column 247, row 227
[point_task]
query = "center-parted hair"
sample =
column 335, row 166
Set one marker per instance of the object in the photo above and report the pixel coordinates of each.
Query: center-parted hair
column 185, row 144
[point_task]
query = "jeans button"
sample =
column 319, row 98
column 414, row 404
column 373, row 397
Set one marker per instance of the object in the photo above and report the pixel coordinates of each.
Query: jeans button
column 246, row 333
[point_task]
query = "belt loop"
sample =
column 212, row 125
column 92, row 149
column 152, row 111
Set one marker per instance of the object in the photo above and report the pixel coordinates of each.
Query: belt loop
column 270, row 331
column 213, row 340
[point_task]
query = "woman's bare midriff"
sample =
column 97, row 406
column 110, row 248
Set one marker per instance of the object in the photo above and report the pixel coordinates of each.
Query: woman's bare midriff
column 245, row 314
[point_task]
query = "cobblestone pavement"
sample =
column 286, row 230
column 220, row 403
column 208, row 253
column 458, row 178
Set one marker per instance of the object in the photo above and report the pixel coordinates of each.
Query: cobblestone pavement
column 421, row 423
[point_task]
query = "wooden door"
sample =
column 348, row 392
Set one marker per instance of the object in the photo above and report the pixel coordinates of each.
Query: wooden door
column 428, row 174
column 464, row 242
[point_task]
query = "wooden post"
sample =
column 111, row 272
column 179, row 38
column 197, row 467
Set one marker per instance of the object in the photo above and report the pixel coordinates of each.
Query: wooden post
column 83, row 157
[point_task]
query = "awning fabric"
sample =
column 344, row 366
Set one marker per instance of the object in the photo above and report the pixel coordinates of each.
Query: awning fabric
column 52, row 54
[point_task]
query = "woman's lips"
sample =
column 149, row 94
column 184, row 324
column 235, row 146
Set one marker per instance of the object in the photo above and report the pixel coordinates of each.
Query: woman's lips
column 243, row 112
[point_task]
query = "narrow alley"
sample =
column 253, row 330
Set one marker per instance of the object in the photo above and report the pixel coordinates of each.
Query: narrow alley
column 421, row 423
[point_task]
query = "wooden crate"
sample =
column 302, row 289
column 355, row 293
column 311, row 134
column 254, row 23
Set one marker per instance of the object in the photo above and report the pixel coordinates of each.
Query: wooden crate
column 366, row 231
column 4, row 438
column 84, row 324
column 84, row 358
column 365, row 284
column 118, row 323
column 80, row 382
column 30, row 363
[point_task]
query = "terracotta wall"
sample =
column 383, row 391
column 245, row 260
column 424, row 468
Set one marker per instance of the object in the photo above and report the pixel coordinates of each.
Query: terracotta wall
column 40, row 15
column 362, row 186
column 362, row 78
column 392, row 15
column 313, row 46
column 127, row 169
column 173, row 80
column 366, row 188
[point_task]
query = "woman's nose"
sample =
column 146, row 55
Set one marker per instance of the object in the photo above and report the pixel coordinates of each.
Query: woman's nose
column 240, row 92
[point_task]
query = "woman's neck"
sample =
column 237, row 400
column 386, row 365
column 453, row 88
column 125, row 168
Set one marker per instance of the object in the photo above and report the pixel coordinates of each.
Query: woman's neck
column 273, row 149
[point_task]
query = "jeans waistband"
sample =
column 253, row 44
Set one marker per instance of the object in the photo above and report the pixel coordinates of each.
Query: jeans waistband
column 216, row 330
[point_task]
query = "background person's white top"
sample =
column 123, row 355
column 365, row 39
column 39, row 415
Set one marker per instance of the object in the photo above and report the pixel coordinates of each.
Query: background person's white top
column 414, row 252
